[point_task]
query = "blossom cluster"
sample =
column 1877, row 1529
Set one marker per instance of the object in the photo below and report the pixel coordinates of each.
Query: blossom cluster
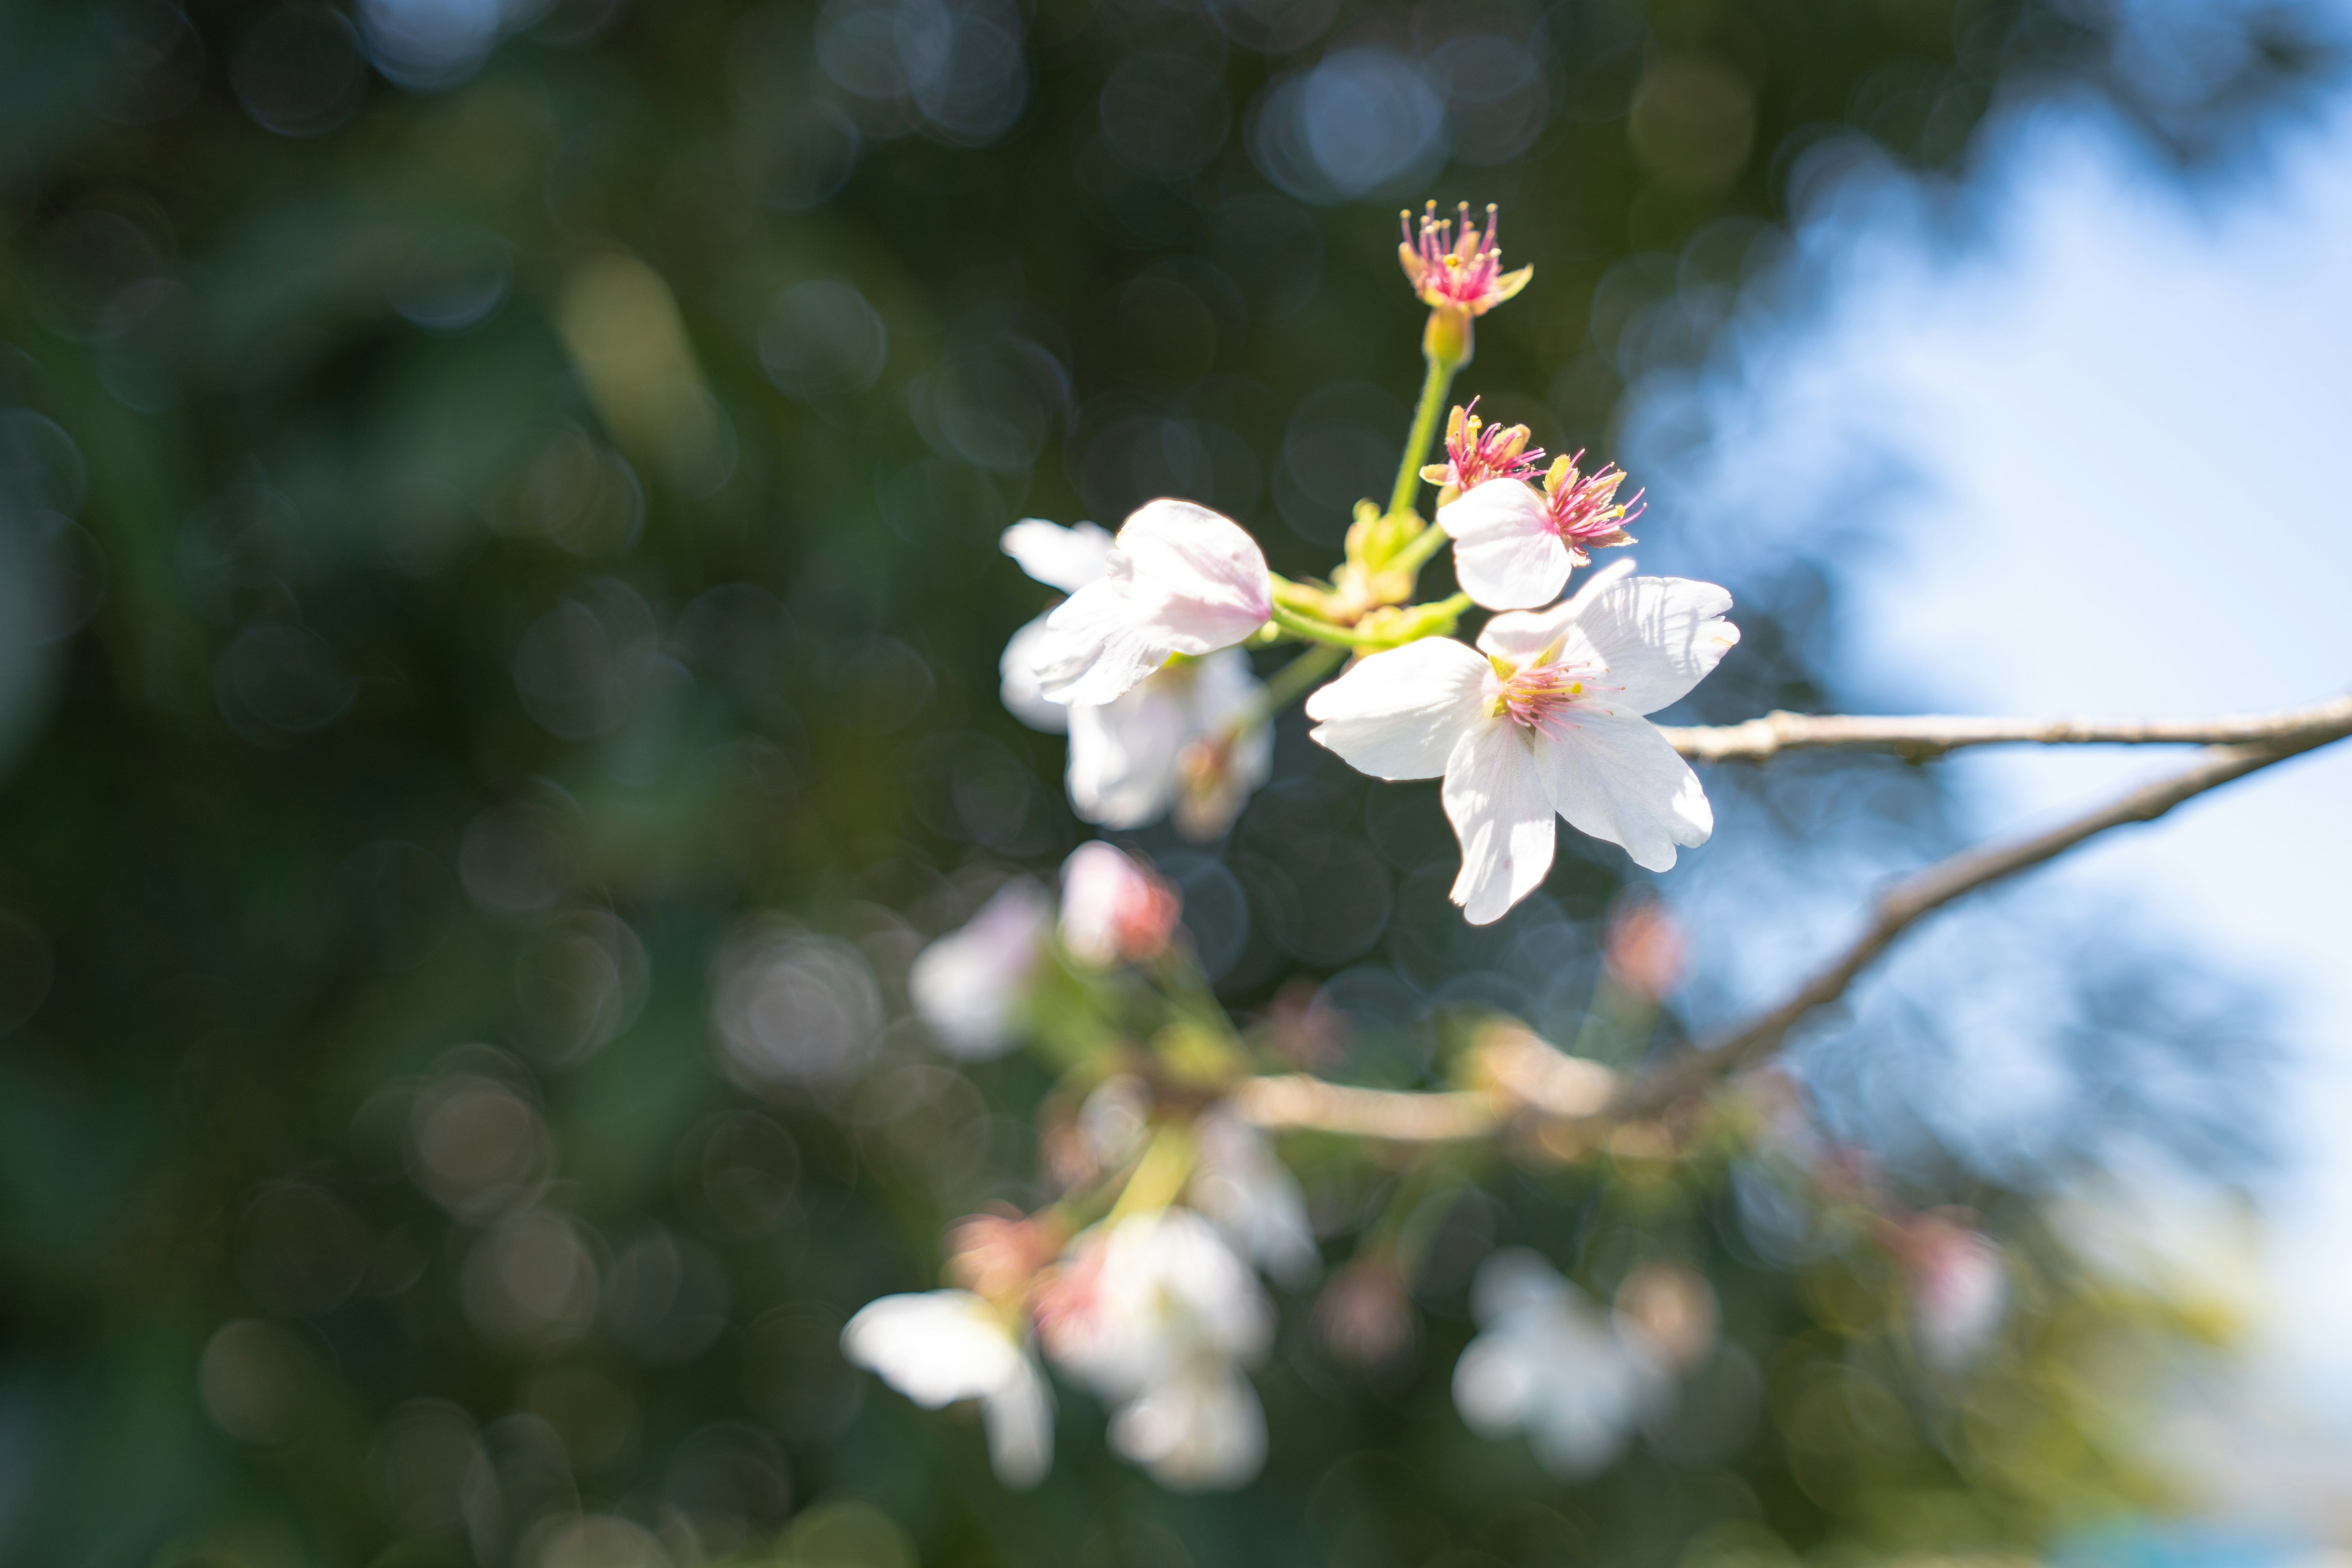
column 1145, row 1279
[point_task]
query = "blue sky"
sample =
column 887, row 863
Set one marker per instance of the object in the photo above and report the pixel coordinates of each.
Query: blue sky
column 2121, row 410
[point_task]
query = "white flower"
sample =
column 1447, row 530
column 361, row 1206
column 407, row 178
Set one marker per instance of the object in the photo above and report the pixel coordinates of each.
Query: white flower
column 1157, row 1313
column 1514, row 544
column 1131, row 760
column 1064, row 557
column 1113, row 910
column 945, row 1345
column 1163, row 744
column 1178, row 579
column 1960, row 1290
column 1548, row 721
column 967, row 987
column 1253, row 1197
column 1549, row 1363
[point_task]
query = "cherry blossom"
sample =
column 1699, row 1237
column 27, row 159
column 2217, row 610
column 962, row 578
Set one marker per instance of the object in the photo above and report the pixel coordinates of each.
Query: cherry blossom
column 967, row 987
column 1548, row 1363
column 1178, row 579
column 941, row 1346
column 1154, row 1310
column 1064, row 557
column 1514, row 544
column 1180, row 740
column 1548, row 721
column 1113, row 910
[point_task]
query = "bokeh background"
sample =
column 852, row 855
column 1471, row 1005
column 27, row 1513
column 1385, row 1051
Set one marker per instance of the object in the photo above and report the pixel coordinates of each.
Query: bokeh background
column 498, row 619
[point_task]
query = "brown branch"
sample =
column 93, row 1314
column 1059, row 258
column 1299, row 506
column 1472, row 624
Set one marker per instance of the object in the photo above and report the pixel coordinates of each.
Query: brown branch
column 1532, row 1079
column 1759, row 739
column 1931, row 890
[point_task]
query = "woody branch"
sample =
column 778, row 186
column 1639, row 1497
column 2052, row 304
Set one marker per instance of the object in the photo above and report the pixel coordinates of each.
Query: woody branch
column 1534, row 1080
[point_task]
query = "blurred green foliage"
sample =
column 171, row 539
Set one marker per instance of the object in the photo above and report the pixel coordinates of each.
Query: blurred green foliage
column 498, row 498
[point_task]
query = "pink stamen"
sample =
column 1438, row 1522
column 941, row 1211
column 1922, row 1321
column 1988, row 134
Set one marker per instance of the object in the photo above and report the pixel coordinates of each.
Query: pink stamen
column 1583, row 507
column 1542, row 697
column 1458, row 266
column 1476, row 451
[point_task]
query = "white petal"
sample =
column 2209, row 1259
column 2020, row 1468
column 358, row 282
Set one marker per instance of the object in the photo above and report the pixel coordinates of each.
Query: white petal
column 1495, row 796
column 1517, row 1280
column 1521, row 636
column 935, row 1347
column 1252, row 1197
column 1020, row 1421
column 1064, row 557
column 1102, row 640
column 1201, row 1429
column 1024, row 698
column 1123, row 755
column 1398, row 715
column 967, row 987
column 1212, row 572
column 1494, row 1386
column 1658, row 636
column 1504, row 551
column 1613, row 776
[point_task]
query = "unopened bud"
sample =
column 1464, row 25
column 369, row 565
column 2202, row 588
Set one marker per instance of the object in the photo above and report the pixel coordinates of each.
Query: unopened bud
column 1645, row 950
column 1363, row 1314
column 1672, row 1307
column 1113, row 910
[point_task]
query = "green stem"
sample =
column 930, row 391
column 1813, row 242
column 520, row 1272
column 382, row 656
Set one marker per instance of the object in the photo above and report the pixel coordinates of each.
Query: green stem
column 1298, row 625
column 1290, row 682
column 1433, row 389
column 1425, row 544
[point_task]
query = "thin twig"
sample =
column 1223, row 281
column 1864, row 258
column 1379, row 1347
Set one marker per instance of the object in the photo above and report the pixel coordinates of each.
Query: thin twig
column 1931, row 890
column 1758, row 739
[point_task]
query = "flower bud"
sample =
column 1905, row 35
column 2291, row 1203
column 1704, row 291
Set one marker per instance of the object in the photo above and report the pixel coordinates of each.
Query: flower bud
column 1645, row 950
column 1113, row 910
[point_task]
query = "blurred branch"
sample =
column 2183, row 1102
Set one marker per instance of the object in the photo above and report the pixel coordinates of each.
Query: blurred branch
column 1526, row 1076
column 1931, row 890
column 1301, row 1102
column 1523, row 1072
column 1759, row 739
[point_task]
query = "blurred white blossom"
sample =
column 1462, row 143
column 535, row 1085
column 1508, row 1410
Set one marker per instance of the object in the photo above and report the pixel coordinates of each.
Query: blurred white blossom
column 1253, row 1197
column 1959, row 1289
column 967, row 985
column 941, row 1346
column 1156, row 1312
column 1550, row 1364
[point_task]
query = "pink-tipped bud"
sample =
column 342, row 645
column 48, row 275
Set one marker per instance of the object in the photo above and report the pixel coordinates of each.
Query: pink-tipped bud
column 1114, row 909
column 998, row 1256
column 1363, row 1314
column 1645, row 950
